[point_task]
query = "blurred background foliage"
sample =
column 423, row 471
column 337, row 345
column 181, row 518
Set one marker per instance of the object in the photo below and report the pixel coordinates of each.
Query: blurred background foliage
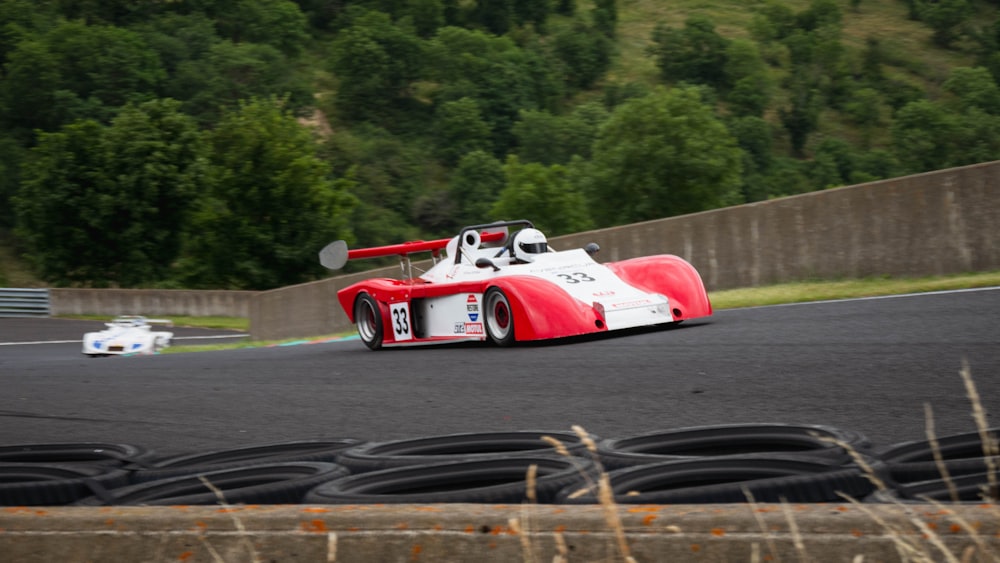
column 222, row 143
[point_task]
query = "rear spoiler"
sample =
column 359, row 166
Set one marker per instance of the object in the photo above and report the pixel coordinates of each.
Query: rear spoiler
column 336, row 254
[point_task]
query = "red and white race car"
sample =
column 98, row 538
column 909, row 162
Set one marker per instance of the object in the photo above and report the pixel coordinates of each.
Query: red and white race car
column 501, row 282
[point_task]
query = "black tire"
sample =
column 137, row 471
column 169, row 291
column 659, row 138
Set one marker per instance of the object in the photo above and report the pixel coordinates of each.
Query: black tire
column 971, row 488
column 94, row 453
column 368, row 320
column 498, row 317
column 374, row 456
column 315, row 450
column 731, row 439
column 967, row 445
column 928, row 470
column 27, row 484
column 495, row 481
column 274, row 483
column 724, row 480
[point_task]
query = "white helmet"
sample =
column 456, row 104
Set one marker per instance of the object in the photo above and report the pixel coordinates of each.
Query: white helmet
column 528, row 243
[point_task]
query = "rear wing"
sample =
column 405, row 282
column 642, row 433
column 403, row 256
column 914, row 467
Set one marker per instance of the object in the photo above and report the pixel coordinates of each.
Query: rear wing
column 336, row 254
column 136, row 320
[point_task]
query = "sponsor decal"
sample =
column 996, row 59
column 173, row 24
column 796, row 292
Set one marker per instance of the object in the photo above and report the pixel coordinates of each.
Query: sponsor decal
column 473, row 328
column 459, row 328
column 472, row 307
column 629, row 304
column 607, row 293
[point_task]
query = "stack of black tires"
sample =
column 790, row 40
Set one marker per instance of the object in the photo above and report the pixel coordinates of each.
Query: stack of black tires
column 708, row 464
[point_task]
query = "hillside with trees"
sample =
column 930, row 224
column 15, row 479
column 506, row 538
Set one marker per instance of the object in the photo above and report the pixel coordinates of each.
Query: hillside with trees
column 222, row 143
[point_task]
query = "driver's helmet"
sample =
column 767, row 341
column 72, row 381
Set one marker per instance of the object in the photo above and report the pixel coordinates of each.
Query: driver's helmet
column 528, row 243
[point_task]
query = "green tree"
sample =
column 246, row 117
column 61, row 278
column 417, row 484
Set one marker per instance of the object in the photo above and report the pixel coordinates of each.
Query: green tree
column 696, row 53
column 945, row 17
column 554, row 139
column 865, row 110
column 12, row 154
column 278, row 23
column 801, row 118
column 755, row 136
column 269, row 205
column 495, row 16
column 73, row 72
column 587, row 55
column 662, row 155
column 502, row 78
column 543, row 194
column 106, row 205
column 232, row 72
column 460, row 129
column 605, row 16
column 974, row 88
column 474, row 186
column 376, row 63
column 923, row 135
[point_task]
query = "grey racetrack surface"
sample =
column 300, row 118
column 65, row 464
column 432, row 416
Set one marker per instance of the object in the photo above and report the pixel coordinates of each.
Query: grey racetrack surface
column 864, row 365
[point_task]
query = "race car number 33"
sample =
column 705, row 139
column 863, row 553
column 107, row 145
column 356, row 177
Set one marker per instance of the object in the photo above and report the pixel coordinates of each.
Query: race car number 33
column 400, row 314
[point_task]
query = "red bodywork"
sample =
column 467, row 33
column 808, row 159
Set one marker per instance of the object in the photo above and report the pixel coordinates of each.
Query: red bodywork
column 541, row 309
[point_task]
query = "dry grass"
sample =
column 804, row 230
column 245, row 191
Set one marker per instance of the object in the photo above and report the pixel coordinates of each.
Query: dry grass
column 907, row 42
column 926, row 546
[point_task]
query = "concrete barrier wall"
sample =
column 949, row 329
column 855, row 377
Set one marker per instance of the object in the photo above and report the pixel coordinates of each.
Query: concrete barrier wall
column 835, row 533
column 937, row 223
column 150, row 302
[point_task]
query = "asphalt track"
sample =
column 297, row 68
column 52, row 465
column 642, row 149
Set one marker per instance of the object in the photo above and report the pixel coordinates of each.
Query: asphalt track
column 866, row 365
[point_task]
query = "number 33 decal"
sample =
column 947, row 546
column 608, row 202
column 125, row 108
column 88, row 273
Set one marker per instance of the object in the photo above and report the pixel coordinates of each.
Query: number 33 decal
column 576, row 277
column 400, row 316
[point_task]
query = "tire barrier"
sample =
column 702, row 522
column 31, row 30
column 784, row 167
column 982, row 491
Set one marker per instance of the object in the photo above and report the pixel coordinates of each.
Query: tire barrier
column 96, row 453
column 958, row 468
column 498, row 480
column 732, row 439
column 729, row 479
column 44, row 484
column 974, row 488
column 311, row 450
column 691, row 465
column 456, row 447
column 270, row 483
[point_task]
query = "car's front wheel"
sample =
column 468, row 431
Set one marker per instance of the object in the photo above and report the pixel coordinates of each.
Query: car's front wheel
column 499, row 319
column 368, row 319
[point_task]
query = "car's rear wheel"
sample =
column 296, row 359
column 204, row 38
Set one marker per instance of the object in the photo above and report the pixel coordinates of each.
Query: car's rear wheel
column 499, row 319
column 368, row 319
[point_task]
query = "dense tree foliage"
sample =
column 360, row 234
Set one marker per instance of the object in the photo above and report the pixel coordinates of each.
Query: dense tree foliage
column 660, row 155
column 221, row 143
column 270, row 203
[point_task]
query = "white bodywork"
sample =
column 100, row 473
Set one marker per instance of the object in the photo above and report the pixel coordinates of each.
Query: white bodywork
column 574, row 271
column 127, row 334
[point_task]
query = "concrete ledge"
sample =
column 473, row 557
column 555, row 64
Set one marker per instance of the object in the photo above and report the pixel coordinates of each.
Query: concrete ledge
column 500, row 533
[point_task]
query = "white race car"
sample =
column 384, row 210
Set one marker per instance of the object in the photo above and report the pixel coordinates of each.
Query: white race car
column 127, row 334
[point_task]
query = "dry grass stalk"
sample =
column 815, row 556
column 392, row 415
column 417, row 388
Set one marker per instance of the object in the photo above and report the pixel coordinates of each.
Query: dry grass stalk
column 793, row 527
column 563, row 550
column 244, row 536
column 936, row 449
column 768, row 535
column 531, row 493
column 522, row 534
column 605, row 495
column 990, row 447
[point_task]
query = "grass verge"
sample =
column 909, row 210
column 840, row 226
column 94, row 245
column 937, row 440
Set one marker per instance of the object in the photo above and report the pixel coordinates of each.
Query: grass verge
column 798, row 292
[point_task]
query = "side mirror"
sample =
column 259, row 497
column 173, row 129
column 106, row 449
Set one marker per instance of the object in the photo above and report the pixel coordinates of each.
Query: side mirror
column 592, row 248
column 486, row 263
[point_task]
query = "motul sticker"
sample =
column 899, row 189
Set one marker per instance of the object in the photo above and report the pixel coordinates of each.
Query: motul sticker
column 473, row 328
column 472, row 307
